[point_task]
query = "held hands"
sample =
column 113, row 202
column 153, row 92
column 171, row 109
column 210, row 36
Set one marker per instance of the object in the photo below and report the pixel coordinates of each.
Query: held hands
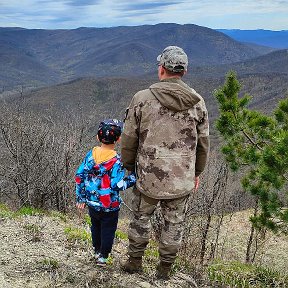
column 196, row 181
column 80, row 206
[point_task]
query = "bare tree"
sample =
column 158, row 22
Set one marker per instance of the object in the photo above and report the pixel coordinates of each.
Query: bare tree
column 39, row 157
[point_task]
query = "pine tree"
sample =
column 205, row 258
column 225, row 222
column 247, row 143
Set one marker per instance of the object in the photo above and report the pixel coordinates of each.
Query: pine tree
column 258, row 145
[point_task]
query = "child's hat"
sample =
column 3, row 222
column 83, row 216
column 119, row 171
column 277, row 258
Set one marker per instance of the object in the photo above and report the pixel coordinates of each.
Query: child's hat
column 109, row 131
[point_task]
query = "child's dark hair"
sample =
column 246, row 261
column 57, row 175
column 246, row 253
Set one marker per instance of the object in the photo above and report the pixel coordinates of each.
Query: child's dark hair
column 109, row 131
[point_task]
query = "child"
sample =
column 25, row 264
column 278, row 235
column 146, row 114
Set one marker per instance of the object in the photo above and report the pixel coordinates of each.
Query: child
column 99, row 179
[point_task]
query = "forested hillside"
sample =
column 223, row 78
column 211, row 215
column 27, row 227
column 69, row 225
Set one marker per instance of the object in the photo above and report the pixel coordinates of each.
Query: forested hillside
column 62, row 55
column 112, row 95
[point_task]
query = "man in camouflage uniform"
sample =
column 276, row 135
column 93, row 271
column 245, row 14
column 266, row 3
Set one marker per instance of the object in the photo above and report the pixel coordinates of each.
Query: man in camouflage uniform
column 165, row 140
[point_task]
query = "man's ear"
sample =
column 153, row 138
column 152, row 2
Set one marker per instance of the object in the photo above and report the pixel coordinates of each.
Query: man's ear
column 97, row 137
column 162, row 70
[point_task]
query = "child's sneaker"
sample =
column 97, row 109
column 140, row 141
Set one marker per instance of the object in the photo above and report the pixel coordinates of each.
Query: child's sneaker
column 101, row 261
column 97, row 255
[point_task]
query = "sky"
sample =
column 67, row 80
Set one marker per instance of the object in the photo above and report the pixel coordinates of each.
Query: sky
column 70, row 14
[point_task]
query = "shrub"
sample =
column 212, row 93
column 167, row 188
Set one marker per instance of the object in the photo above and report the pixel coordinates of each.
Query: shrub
column 35, row 231
column 121, row 235
column 49, row 264
column 74, row 234
column 5, row 212
column 29, row 211
column 59, row 215
column 236, row 274
column 87, row 219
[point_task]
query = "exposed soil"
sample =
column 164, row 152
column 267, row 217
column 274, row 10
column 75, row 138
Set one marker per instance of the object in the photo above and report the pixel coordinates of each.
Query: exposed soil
column 35, row 252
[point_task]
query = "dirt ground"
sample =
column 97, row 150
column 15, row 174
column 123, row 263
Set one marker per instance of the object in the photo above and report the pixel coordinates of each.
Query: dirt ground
column 35, row 253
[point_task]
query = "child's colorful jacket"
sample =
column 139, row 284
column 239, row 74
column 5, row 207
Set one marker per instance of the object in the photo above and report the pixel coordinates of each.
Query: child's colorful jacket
column 99, row 179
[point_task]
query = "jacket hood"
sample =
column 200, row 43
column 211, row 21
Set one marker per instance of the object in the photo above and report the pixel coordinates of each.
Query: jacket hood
column 101, row 156
column 175, row 94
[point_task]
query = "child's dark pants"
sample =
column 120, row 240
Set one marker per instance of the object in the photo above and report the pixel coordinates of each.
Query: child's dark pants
column 104, row 225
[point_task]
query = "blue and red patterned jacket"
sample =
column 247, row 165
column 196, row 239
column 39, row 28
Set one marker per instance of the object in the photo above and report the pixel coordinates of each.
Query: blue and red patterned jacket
column 98, row 185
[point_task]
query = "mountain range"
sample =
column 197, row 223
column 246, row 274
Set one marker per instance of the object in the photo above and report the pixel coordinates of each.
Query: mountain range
column 94, row 72
column 275, row 62
column 275, row 39
column 35, row 57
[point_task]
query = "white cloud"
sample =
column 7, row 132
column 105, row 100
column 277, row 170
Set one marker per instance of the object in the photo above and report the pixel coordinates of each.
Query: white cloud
column 265, row 14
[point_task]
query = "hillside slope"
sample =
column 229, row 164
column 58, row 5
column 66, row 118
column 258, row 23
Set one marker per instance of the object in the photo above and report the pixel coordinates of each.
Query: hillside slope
column 109, row 97
column 117, row 51
column 275, row 62
column 21, row 68
column 54, row 250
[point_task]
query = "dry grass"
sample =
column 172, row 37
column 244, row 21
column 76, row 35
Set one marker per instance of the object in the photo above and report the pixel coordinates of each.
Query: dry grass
column 57, row 260
column 272, row 251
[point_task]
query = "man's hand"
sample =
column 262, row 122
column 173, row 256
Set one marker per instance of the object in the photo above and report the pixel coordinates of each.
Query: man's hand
column 80, row 206
column 196, row 181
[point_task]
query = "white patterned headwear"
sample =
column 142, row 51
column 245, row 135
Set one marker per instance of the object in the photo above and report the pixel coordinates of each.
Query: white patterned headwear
column 174, row 59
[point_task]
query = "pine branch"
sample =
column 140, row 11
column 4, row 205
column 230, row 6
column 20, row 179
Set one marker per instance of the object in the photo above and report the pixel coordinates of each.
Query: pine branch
column 251, row 140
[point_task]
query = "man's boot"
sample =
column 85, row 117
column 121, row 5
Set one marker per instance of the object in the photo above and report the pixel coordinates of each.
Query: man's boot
column 163, row 270
column 132, row 265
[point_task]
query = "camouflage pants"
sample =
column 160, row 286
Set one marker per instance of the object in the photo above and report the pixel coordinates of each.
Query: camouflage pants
column 173, row 212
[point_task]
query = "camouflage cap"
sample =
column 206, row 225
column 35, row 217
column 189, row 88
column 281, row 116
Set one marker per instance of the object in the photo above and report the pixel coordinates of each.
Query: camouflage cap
column 174, row 59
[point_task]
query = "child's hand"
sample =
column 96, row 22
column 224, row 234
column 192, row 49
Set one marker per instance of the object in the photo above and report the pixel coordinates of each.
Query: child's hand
column 80, row 206
column 196, row 181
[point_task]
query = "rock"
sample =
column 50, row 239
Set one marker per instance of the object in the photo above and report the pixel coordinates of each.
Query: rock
column 144, row 285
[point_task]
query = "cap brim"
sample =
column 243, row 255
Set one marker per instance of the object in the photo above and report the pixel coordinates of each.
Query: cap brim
column 159, row 57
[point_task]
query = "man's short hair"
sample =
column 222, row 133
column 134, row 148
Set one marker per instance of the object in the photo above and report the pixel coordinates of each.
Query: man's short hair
column 174, row 59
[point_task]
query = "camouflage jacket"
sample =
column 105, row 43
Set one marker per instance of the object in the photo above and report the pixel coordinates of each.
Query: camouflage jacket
column 165, row 139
